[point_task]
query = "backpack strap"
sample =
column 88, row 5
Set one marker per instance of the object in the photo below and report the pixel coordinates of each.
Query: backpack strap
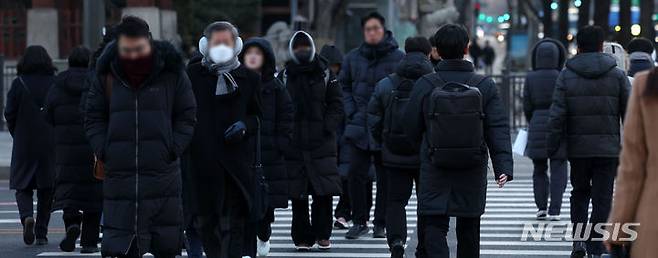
column 476, row 79
column 109, row 79
column 436, row 79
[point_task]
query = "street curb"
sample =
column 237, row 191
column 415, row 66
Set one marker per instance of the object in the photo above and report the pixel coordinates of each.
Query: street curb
column 4, row 173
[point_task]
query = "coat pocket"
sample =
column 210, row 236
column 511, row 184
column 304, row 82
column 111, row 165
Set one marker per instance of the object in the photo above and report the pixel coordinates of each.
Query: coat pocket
column 354, row 132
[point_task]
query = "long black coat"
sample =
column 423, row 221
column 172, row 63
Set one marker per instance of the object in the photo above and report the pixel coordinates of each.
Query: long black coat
column 32, row 155
column 463, row 192
column 75, row 185
column 318, row 109
column 548, row 57
column 213, row 162
column 589, row 103
column 276, row 125
column 413, row 66
column 139, row 134
column 362, row 68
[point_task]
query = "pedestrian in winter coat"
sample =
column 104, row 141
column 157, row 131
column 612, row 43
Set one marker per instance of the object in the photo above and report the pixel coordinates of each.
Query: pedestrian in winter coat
column 32, row 155
column 635, row 191
column 548, row 57
column 362, row 68
column 400, row 158
column 589, row 102
column 219, row 179
column 275, row 132
column 343, row 211
column 454, row 183
column 311, row 155
column 640, row 59
column 77, row 192
column 140, row 115
column 489, row 57
column 617, row 51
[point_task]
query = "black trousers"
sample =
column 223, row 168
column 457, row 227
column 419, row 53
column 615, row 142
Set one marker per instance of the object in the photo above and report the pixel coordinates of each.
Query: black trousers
column 222, row 234
column 396, row 213
column 543, row 186
column 344, row 207
column 89, row 223
column 361, row 186
column 134, row 253
column 591, row 178
column 261, row 230
column 436, row 231
column 24, row 201
column 309, row 229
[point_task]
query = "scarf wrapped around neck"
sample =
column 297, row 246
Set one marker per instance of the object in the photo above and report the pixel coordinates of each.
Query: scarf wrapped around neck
column 223, row 74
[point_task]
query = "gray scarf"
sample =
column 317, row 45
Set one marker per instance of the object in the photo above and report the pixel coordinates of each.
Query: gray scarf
column 223, row 74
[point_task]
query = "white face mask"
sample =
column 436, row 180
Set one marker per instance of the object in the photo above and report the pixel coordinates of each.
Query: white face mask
column 220, row 53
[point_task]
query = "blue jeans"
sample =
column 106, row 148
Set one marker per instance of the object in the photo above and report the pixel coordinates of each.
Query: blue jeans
column 194, row 246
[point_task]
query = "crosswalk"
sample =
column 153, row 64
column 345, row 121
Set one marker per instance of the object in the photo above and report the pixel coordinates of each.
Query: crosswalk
column 507, row 211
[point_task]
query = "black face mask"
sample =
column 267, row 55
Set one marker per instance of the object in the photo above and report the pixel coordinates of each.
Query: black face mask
column 303, row 56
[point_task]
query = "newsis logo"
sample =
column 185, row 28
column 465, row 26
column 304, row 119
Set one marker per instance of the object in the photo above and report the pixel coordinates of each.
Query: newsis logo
column 556, row 232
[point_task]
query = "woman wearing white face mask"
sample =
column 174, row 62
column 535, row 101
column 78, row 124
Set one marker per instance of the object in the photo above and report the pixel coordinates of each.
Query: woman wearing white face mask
column 218, row 180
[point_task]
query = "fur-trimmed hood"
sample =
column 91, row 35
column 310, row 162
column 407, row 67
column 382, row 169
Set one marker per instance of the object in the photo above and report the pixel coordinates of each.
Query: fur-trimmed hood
column 165, row 58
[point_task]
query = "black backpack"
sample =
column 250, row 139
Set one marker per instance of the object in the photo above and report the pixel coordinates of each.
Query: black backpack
column 454, row 124
column 393, row 134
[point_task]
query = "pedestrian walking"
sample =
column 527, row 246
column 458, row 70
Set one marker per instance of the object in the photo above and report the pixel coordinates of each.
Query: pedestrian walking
column 32, row 154
column 399, row 156
column 362, row 68
column 219, row 179
column 617, row 51
column 343, row 211
column 640, row 59
column 488, row 57
column 635, row 194
column 77, row 192
column 475, row 51
column 311, row 155
column 588, row 105
column 548, row 57
column 275, row 132
column 139, row 118
column 454, row 164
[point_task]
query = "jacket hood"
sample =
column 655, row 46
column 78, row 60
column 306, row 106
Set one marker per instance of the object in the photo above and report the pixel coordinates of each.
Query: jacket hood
column 639, row 61
column 548, row 54
column 591, row 65
column 73, row 80
column 332, row 54
column 165, row 58
column 640, row 56
column 300, row 35
column 387, row 45
column 618, row 52
column 414, row 65
column 269, row 64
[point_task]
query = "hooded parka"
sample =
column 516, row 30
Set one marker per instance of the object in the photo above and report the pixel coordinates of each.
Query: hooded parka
column 318, row 110
column 139, row 132
column 548, row 57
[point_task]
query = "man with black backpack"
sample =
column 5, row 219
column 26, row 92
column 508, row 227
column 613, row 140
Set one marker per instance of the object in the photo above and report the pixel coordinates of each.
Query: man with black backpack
column 458, row 119
column 399, row 155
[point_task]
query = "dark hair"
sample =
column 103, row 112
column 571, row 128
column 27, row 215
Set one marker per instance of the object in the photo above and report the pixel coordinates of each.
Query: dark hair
column 417, row 44
column 450, row 41
column 108, row 37
column 79, row 57
column 373, row 15
column 133, row 27
column 220, row 26
column 640, row 45
column 35, row 60
column 590, row 38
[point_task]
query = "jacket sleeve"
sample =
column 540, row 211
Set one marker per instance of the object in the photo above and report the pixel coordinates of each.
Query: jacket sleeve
column 413, row 113
column 334, row 112
column 527, row 100
column 13, row 105
column 497, row 131
column 376, row 111
column 345, row 80
column 184, row 114
column 50, row 104
column 625, row 94
column 557, row 117
column 633, row 161
column 284, row 117
column 96, row 117
column 254, row 109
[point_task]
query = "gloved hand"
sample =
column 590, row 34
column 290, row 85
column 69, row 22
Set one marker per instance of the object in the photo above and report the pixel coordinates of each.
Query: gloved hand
column 235, row 132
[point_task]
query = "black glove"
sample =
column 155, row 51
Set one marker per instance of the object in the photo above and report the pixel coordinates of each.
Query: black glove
column 235, row 133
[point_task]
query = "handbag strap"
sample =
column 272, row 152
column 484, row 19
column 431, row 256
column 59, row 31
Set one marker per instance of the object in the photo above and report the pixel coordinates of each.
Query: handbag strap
column 257, row 161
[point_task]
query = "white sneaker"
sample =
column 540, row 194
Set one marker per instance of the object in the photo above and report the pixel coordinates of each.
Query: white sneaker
column 554, row 217
column 263, row 248
column 246, row 256
column 542, row 215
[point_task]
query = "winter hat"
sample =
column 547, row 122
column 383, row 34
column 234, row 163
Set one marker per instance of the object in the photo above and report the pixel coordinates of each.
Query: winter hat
column 332, row 54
